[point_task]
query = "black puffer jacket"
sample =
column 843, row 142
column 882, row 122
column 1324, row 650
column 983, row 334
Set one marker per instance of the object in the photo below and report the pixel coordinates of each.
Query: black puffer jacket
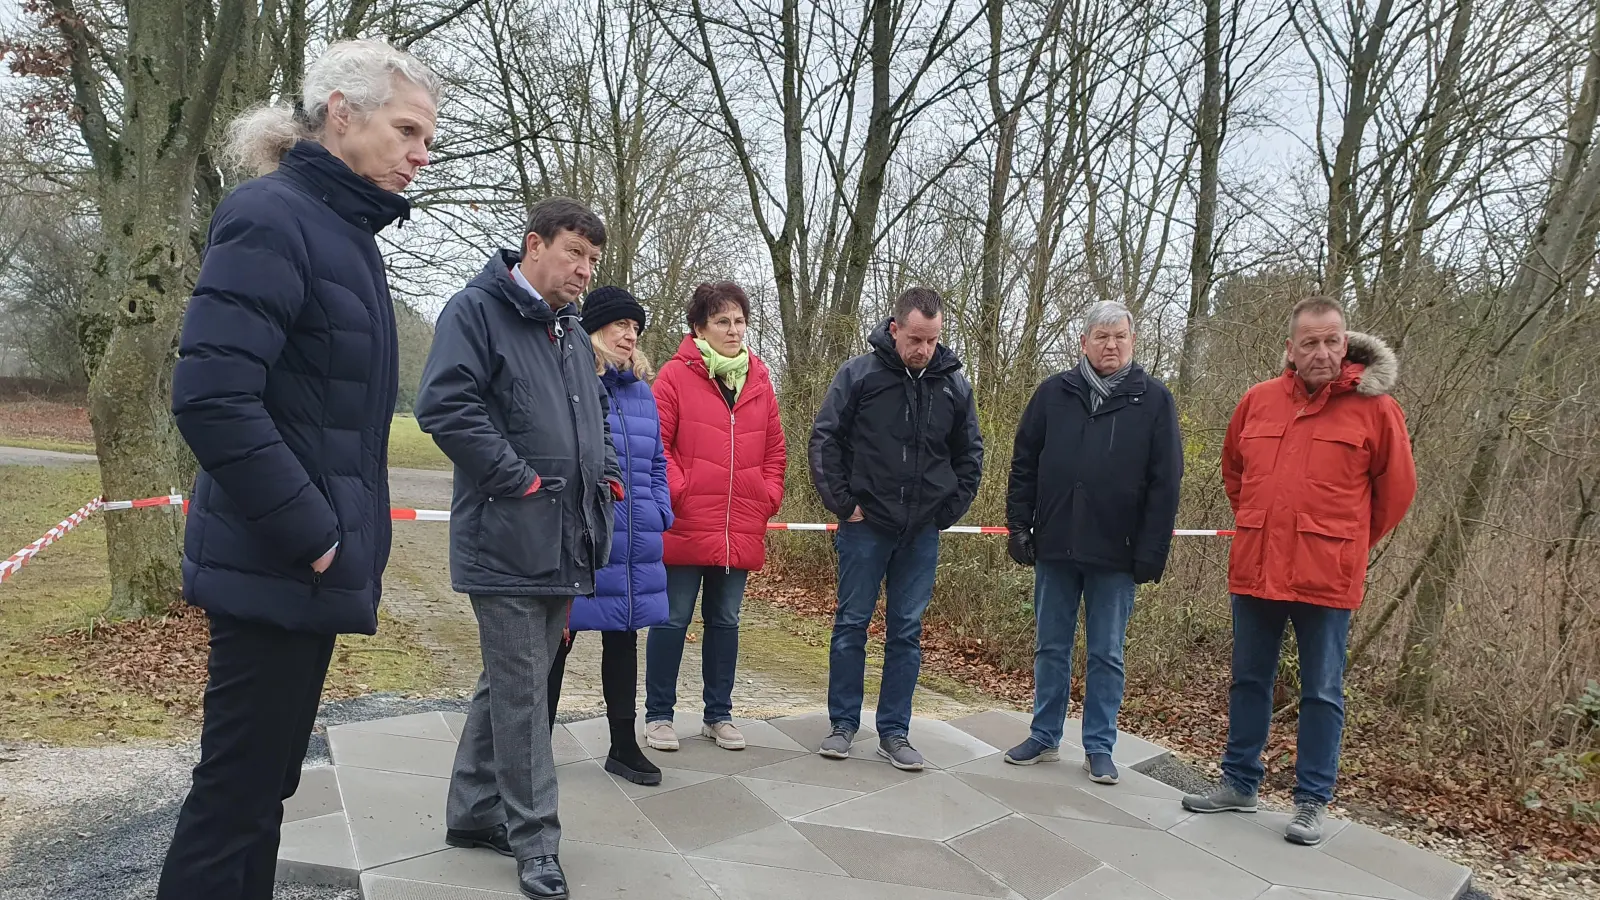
column 509, row 393
column 1101, row 489
column 284, row 390
column 904, row 446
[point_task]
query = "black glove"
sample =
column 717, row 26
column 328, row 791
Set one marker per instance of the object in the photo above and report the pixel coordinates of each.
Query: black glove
column 1020, row 546
column 1146, row 572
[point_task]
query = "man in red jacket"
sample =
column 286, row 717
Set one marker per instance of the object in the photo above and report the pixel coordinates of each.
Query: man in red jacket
column 1318, row 469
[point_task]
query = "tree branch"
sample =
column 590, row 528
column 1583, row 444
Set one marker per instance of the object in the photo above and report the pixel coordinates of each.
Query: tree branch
column 86, row 86
column 428, row 29
column 201, row 106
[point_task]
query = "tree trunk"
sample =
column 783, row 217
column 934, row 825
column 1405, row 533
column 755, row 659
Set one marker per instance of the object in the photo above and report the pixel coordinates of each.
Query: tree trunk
column 1208, row 134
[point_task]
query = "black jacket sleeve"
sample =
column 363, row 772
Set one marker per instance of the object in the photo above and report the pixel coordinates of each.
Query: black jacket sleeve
column 451, row 404
column 829, row 451
column 966, row 452
column 1163, row 480
column 250, row 291
column 1022, row 492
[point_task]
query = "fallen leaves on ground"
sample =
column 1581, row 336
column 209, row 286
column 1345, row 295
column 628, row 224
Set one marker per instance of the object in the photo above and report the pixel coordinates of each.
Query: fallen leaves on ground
column 45, row 420
column 162, row 657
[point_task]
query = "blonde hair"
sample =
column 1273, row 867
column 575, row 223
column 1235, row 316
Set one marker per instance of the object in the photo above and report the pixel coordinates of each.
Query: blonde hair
column 364, row 72
column 603, row 357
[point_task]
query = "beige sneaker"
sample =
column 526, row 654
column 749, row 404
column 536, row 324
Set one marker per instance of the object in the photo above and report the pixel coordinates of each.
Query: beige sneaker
column 660, row 736
column 726, row 736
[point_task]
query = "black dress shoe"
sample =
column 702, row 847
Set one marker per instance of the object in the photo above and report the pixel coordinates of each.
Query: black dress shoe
column 488, row 838
column 541, row 878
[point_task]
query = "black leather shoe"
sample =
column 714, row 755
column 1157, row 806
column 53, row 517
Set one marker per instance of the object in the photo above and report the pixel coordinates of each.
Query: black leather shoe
column 488, row 838
column 541, row 878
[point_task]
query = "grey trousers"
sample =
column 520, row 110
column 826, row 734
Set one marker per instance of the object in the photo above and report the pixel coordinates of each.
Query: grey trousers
column 504, row 770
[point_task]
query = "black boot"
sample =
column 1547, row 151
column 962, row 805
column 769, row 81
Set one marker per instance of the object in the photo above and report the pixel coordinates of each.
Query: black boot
column 626, row 760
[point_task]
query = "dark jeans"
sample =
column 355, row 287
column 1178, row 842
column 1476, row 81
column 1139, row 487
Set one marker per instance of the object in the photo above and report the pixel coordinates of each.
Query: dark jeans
column 1321, row 632
column 1107, row 604
column 867, row 558
column 719, row 647
column 260, row 704
column 619, row 674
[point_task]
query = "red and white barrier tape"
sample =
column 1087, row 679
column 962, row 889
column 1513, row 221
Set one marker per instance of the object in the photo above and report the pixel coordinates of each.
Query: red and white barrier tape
column 20, row 558
column 10, row 566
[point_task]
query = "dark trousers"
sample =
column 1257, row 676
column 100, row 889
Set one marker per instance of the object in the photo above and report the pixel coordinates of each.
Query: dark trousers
column 260, row 705
column 619, row 674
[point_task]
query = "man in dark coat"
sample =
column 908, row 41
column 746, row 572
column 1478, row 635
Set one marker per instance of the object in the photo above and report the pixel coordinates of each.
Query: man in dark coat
column 284, row 389
column 1091, row 504
column 509, row 394
column 896, row 454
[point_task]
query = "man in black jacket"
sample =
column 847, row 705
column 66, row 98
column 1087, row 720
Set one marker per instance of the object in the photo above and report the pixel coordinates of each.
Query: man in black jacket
column 509, row 394
column 896, row 455
column 1091, row 503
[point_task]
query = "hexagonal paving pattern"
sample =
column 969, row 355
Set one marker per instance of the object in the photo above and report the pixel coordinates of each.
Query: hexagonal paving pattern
column 776, row 821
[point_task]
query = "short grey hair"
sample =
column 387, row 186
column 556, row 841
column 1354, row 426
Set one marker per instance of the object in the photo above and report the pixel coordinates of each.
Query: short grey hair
column 1106, row 312
column 365, row 72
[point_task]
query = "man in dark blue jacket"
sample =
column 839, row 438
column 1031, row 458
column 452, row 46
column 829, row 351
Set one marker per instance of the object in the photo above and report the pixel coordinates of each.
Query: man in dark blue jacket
column 509, row 394
column 896, row 454
column 1091, row 504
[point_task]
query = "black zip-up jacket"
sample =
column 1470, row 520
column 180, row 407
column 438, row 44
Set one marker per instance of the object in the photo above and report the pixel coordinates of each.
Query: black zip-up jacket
column 509, row 394
column 1098, row 489
column 902, row 445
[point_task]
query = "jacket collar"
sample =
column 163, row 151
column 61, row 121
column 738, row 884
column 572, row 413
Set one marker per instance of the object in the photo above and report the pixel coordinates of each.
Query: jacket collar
column 1135, row 382
column 356, row 200
column 1370, row 368
column 614, row 377
column 496, row 279
column 881, row 341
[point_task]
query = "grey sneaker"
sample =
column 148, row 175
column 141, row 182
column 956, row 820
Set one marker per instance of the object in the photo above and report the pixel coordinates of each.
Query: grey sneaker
column 1226, row 798
column 1101, row 769
column 1306, row 826
column 837, row 744
column 1030, row 752
column 899, row 752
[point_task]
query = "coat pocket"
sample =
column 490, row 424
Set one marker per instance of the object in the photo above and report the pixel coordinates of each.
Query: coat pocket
column 523, row 536
column 1325, row 549
column 1338, row 456
column 1248, row 552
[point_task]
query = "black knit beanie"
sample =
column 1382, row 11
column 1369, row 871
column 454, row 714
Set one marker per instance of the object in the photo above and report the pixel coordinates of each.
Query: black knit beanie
column 608, row 304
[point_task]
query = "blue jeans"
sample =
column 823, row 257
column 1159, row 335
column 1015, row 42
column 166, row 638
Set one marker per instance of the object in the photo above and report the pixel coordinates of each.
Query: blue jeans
column 868, row 557
column 1321, row 632
column 719, row 648
column 1107, row 604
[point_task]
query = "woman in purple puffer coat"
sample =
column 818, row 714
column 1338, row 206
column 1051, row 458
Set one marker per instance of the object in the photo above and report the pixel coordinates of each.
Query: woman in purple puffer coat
column 631, row 591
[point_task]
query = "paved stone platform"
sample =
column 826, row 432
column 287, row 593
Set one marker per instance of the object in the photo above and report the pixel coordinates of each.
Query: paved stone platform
column 777, row 822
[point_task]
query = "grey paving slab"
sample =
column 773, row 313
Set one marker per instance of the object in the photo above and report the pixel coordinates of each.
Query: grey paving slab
column 1129, row 750
column 317, row 795
column 1066, row 772
column 763, row 734
column 1158, row 812
column 1276, row 822
column 1030, row 860
column 1106, row 883
column 846, row 774
column 935, row 807
column 595, row 810
column 1267, row 856
column 318, row 851
column 1410, row 867
column 741, row 881
column 472, row 869
column 430, row 725
column 566, row 748
column 1279, row 892
column 1131, row 783
column 1057, row 800
column 1167, row 864
column 792, row 800
column 808, row 729
column 456, row 722
column 779, row 846
column 671, row 780
column 393, row 816
column 703, row 814
column 592, row 870
column 945, row 746
column 595, row 734
column 901, row 860
column 994, row 728
column 385, row 887
column 391, row 752
column 705, row 756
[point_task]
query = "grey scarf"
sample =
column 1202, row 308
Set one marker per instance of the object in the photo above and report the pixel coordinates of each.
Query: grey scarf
column 1101, row 386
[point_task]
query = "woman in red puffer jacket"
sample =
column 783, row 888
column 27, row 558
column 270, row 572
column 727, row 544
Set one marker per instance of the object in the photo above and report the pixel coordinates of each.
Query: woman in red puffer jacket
column 725, row 461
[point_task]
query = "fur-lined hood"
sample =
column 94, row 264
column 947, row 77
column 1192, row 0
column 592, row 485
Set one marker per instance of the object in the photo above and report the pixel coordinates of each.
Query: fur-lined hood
column 1382, row 365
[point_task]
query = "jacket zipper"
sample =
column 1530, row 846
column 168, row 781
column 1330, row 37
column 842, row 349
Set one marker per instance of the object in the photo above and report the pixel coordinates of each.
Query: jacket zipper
column 1113, row 442
column 627, row 510
column 727, row 510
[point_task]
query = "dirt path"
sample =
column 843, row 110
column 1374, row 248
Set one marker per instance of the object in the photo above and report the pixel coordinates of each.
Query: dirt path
column 782, row 661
